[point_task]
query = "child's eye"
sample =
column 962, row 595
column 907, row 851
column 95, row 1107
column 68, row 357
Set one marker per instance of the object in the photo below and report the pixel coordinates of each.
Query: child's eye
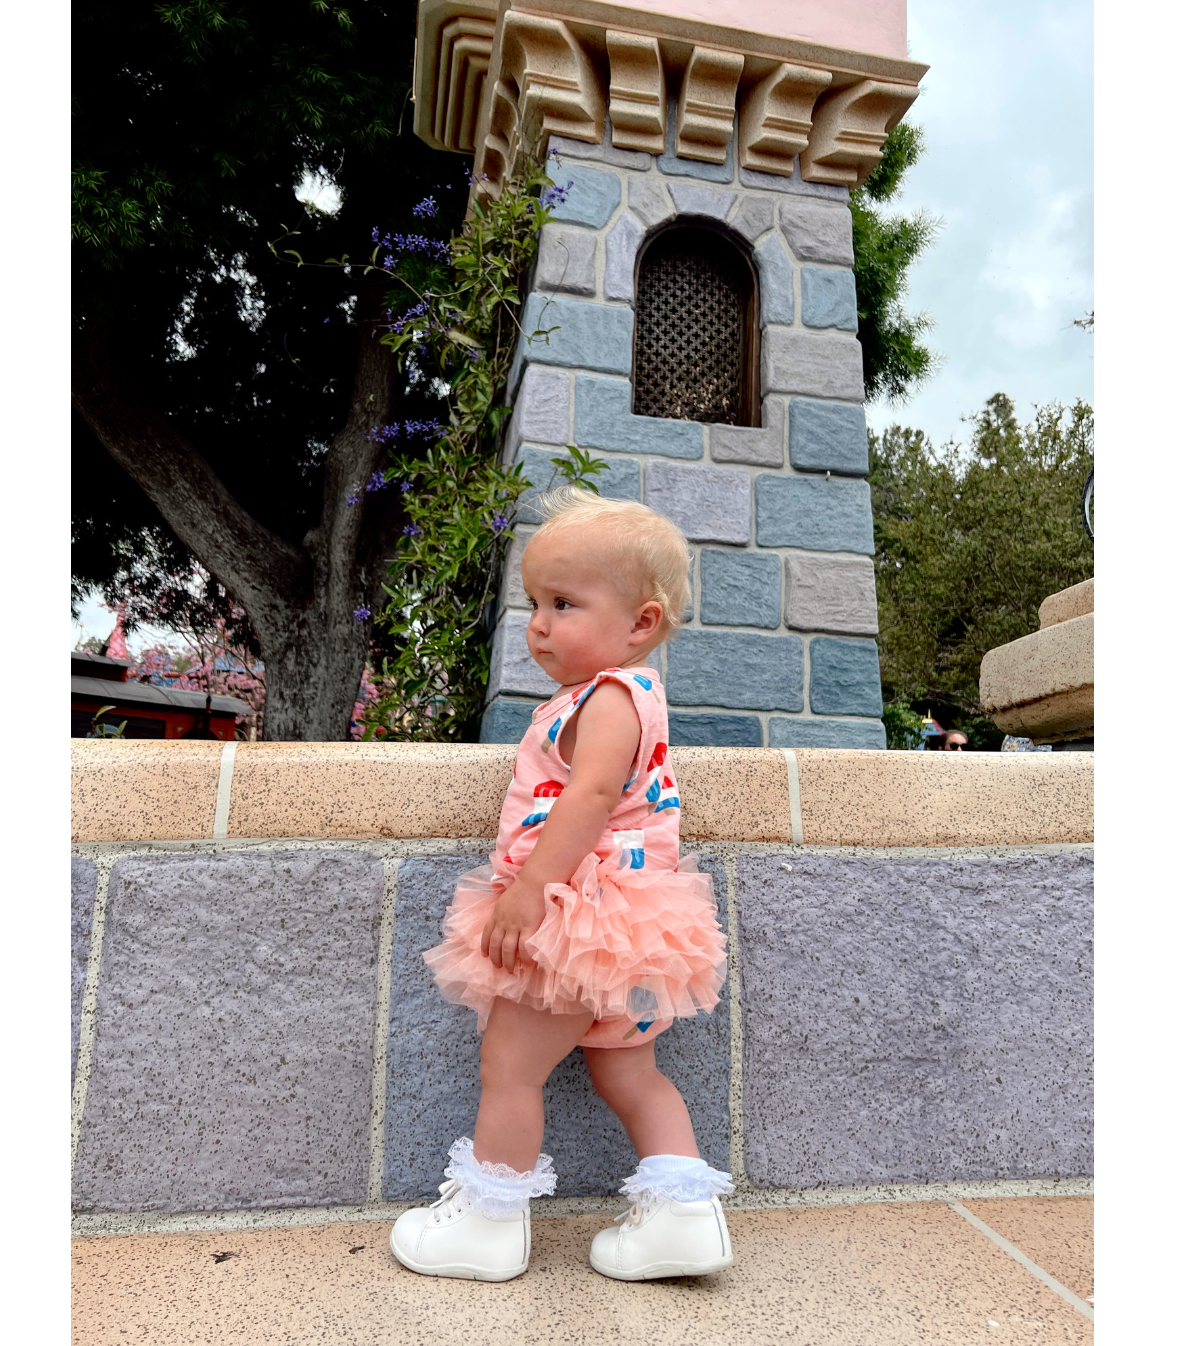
column 560, row 604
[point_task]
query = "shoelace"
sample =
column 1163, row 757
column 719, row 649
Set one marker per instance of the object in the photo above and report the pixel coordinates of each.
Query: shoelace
column 633, row 1216
column 448, row 1203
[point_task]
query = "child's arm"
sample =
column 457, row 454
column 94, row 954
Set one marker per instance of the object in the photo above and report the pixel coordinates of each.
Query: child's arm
column 607, row 737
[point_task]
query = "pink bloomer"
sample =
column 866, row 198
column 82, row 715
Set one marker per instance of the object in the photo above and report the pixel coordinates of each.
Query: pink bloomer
column 633, row 935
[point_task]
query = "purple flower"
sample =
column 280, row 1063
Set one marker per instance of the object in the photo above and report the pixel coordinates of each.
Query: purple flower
column 376, row 482
column 426, row 209
column 498, row 522
column 353, row 497
column 433, row 248
column 362, row 613
column 406, row 486
column 411, row 530
column 423, row 428
column 555, row 196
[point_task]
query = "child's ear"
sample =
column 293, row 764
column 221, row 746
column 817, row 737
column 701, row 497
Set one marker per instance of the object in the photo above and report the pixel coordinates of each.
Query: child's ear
column 647, row 622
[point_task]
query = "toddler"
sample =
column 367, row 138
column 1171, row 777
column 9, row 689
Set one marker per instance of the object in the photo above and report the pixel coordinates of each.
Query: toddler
column 587, row 929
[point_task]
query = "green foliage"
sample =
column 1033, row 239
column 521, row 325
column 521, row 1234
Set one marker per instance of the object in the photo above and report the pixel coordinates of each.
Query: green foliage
column 461, row 331
column 100, row 728
column 969, row 541
column 902, row 725
column 895, row 359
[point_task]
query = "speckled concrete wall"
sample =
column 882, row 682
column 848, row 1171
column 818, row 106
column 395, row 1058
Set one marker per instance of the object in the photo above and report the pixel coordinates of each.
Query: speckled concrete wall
column 83, row 888
column 915, row 1020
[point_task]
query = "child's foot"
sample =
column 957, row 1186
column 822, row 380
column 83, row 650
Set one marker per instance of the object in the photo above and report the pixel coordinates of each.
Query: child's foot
column 452, row 1238
column 664, row 1238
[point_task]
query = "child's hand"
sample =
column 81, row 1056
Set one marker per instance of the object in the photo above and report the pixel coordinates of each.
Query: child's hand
column 518, row 915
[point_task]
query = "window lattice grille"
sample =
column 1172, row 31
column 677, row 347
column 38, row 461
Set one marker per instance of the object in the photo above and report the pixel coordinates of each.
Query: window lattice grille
column 690, row 335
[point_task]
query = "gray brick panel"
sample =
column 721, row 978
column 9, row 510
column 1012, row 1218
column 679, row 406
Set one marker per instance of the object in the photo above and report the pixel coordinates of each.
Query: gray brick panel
column 542, row 408
column 827, row 437
column 621, row 250
column 709, row 202
column 513, row 670
column 232, row 1064
column 433, row 1060
column 603, row 420
column 740, row 588
column 506, row 720
column 776, row 275
column 738, row 670
column 844, row 677
column 83, row 892
column 620, row 479
column 696, row 730
column 605, row 153
column 814, row 514
column 710, row 504
column 647, row 198
column 815, row 364
column 828, row 299
column 567, row 260
column 830, row 593
column 752, row 216
column 594, row 197
column 762, row 446
column 817, row 232
column 573, row 333
column 795, row 731
column 793, row 184
column 915, row 1020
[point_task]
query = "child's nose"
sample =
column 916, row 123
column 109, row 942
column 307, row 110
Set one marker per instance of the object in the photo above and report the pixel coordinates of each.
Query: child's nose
column 539, row 623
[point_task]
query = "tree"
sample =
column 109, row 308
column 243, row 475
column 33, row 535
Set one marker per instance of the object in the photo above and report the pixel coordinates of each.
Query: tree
column 236, row 393
column 969, row 541
column 895, row 360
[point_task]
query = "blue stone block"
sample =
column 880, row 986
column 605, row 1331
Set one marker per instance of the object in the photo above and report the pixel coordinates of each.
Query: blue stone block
column 574, row 333
column 915, row 1020
column 813, row 514
column 595, row 195
column 776, row 274
column 740, row 588
column 236, row 1013
column 735, row 669
column 844, row 677
column 828, row 299
column 602, row 419
column 433, row 1063
column 83, row 890
column 620, row 479
column 827, row 437
column 795, row 732
column 675, row 167
column 506, row 720
column 704, row 730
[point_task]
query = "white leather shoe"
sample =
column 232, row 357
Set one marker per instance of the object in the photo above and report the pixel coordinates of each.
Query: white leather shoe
column 451, row 1238
column 666, row 1238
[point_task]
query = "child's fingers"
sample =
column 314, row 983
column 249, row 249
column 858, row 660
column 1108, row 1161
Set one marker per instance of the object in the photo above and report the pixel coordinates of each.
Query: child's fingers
column 495, row 949
column 508, row 951
column 485, row 941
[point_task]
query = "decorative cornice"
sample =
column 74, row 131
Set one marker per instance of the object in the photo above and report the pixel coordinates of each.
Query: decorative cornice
column 497, row 77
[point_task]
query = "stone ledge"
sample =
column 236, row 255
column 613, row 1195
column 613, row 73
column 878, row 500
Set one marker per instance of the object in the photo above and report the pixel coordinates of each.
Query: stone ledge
column 1043, row 684
column 848, row 797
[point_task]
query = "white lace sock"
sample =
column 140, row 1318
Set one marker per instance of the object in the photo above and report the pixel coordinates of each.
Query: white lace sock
column 674, row 1177
column 497, row 1189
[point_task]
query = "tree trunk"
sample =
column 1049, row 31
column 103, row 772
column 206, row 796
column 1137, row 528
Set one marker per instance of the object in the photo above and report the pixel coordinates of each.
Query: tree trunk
column 300, row 599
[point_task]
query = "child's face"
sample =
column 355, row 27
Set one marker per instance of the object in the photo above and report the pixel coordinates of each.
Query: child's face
column 581, row 621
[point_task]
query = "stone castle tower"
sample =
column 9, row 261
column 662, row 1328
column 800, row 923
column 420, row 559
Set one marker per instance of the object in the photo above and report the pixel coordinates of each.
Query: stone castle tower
column 699, row 278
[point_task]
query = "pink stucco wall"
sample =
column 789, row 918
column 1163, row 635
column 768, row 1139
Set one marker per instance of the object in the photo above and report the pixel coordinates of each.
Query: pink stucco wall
column 877, row 26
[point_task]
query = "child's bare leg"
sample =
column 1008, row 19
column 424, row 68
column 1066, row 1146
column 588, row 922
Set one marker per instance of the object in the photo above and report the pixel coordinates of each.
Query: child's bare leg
column 521, row 1048
column 646, row 1103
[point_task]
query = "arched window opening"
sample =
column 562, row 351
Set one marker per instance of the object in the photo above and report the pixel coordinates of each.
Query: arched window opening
column 695, row 338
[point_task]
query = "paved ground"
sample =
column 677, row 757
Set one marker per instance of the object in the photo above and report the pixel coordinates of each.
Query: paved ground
column 869, row 1275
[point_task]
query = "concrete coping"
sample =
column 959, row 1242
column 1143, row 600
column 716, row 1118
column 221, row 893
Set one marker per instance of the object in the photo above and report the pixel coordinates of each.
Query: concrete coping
column 149, row 791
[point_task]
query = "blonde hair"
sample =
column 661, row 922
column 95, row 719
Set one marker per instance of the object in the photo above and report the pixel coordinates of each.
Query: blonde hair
column 650, row 551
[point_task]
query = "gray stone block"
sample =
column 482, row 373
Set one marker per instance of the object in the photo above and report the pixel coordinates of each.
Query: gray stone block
column 621, row 250
column 620, row 479
column 593, row 198
column 710, row 504
column 513, row 669
column 506, row 720
column 511, row 590
column 542, row 408
column 827, row 437
column 752, row 216
column 647, row 198
column 673, row 166
column 814, row 514
column 794, row 731
column 830, row 593
column 567, row 260
column 602, row 419
column 795, row 185
column 83, row 891
column 844, row 677
column 820, row 364
column 696, row 730
column 576, row 334
column 762, row 447
column 776, row 274
column 817, row 233
column 828, row 299
column 710, row 202
column 433, row 1079
column 606, row 153
column 916, row 1020
column 740, row 588
column 232, row 1063
column 735, row 669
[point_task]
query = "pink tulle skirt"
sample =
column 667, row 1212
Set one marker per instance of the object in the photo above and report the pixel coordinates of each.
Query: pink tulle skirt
column 642, row 944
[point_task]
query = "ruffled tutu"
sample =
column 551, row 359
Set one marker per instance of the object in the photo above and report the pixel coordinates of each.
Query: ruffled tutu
column 644, row 944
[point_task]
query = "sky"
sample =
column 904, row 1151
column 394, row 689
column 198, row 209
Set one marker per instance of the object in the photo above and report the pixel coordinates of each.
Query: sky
column 1006, row 109
column 1007, row 114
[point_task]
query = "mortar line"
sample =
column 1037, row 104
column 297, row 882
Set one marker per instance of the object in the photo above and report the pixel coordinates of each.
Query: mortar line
column 795, row 796
column 735, row 1037
column 87, row 1026
column 380, row 1045
column 224, row 791
column 1023, row 1260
